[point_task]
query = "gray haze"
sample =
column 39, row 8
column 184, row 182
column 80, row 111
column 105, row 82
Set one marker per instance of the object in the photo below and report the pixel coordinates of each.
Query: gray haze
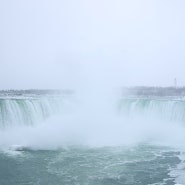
column 66, row 44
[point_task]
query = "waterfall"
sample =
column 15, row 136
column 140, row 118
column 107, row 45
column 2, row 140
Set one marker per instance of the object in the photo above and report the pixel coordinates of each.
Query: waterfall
column 169, row 110
column 28, row 111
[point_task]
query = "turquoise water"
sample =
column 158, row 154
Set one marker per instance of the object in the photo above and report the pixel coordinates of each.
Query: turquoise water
column 137, row 165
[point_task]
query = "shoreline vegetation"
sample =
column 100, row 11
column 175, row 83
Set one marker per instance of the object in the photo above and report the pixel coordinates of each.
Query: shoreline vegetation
column 132, row 91
column 153, row 91
column 36, row 92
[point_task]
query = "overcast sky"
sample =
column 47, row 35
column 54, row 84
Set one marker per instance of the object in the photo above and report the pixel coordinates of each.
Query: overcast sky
column 67, row 43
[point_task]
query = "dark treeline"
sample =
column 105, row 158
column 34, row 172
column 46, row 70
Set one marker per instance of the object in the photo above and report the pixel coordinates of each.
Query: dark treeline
column 133, row 91
column 35, row 92
column 154, row 91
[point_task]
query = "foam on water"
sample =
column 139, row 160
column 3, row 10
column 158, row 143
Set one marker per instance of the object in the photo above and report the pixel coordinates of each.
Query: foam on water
column 179, row 172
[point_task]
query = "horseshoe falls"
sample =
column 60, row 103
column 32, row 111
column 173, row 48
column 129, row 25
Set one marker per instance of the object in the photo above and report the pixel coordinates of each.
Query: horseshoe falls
column 54, row 139
column 29, row 111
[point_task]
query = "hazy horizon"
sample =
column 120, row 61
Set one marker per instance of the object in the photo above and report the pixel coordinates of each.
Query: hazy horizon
column 73, row 44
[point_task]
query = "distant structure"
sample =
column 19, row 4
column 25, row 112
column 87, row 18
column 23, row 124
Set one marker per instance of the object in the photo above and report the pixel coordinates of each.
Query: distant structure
column 175, row 83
